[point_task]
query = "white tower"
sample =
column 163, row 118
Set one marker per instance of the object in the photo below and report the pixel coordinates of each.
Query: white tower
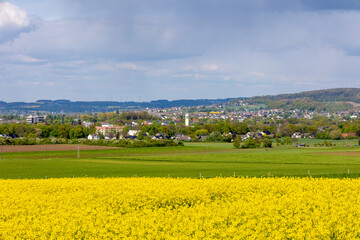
column 187, row 120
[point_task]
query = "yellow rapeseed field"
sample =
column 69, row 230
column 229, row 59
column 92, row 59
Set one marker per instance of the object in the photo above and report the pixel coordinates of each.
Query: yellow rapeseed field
column 165, row 208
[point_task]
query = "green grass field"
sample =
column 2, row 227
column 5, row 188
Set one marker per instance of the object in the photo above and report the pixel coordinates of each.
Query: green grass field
column 207, row 159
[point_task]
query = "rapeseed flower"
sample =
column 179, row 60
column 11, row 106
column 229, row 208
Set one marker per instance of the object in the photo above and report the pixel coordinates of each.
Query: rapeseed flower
column 166, row 208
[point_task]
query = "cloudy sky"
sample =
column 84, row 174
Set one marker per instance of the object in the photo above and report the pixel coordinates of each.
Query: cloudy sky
column 143, row 50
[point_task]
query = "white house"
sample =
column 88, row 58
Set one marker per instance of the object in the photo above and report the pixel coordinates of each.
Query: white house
column 134, row 124
column 296, row 135
column 87, row 124
column 133, row 132
column 93, row 137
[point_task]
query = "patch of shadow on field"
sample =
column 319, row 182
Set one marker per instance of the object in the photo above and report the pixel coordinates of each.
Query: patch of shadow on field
column 355, row 154
column 126, row 162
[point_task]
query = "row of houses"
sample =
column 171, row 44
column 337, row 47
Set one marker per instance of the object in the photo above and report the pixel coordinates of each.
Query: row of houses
column 110, row 132
column 106, row 129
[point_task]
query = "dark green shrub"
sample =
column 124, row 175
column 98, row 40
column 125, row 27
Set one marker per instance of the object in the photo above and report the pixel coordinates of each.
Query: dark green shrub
column 250, row 143
column 267, row 143
column 237, row 142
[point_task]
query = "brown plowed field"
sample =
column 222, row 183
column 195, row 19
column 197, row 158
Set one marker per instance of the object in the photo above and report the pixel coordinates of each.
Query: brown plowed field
column 52, row 147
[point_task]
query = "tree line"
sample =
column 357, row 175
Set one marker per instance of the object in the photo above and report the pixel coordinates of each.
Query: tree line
column 40, row 130
column 318, row 127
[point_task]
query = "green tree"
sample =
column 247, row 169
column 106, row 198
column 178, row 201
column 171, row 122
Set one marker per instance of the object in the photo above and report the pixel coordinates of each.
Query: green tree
column 214, row 137
column 288, row 140
column 153, row 130
column 54, row 132
column 237, row 142
column 286, row 130
column 335, row 134
column 78, row 132
column 140, row 136
column 267, row 143
column 201, row 132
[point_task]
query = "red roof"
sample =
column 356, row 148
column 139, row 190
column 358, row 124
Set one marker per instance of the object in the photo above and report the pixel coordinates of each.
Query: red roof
column 348, row 134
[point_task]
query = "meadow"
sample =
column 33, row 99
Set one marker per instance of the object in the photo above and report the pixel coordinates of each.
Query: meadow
column 192, row 160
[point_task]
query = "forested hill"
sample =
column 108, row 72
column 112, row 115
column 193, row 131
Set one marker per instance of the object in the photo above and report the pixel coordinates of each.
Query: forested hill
column 68, row 106
column 329, row 100
column 320, row 100
column 327, row 95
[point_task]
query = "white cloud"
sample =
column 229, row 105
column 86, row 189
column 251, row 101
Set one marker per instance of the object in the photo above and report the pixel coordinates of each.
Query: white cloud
column 256, row 74
column 13, row 21
column 203, row 67
column 190, row 68
column 28, row 83
column 23, row 59
column 209, row 67
column 50, row 83
column 190, row 75
column 11, row 15
column 232, row 48
column 131, row 66
column 234, row 77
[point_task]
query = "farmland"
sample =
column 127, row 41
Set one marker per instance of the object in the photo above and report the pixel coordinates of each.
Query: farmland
column 168, row 208
column 193, row 160
column 197, row 191
column 51, row 147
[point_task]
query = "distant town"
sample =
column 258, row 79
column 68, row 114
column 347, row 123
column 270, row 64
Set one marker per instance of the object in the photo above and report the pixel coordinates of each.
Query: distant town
column 217, row 122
